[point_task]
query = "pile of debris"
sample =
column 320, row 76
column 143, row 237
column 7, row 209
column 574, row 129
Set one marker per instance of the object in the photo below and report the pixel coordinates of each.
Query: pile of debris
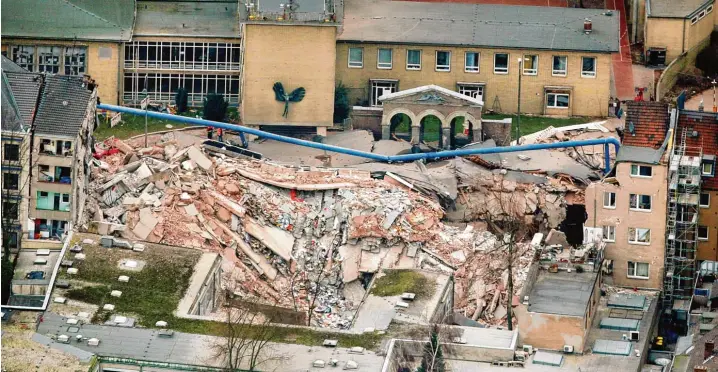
column 294, row 236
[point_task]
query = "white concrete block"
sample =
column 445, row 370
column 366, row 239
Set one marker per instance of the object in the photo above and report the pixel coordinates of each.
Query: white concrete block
column 131, row 264
column 88, row 241
column 119, row 319
column 137, row 247
column 123, row 278
column 59, row 300
column 65, row 339
column 72, row 271
column 161, row 323
column 116, row 293
column 72, row 321
column 108, row 307
column 43, row 252
column 93, row 342
column 80, row 256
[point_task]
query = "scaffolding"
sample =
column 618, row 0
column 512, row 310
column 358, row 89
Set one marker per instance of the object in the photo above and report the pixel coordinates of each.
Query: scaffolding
column 684, row 189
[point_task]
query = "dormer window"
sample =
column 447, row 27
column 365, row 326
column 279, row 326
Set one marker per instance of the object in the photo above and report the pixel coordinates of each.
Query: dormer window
column 708, row 165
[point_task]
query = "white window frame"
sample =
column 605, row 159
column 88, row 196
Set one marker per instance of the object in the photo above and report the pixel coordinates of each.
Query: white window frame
column 637, row 206
column 75, row 60
column 609, row 206
column 636, row 235
column 698, row 233
column 712, row 169
column 709, row 200
column 562, row 73
column 181, row 55
column 198, row 85
column 694, row 20
column 442, row 68
column 46, row 54
column 709, row 9
column 355, row 64
column 472, row 69
column 413, row 66
column 391, row 86
column 384, row 65
column 554, row 105
column 589, row 74
column 532, row 71
column 472, row 89
column 609, row 234
column 638, row 168
column 503, row 70
column 635, row 269
column 702, row 14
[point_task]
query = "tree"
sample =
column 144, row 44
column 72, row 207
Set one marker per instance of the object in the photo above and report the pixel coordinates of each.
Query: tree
column 215, row 107
column 432, row 359
column 341, row 103
column 181, row 100
column 246, row 336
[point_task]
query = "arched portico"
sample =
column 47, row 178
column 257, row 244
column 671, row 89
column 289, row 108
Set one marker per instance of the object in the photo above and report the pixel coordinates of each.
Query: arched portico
column 431, row 100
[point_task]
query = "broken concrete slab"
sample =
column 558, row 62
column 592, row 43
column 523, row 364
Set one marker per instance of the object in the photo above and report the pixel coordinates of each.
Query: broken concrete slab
column 191, row 210
column 556, row 237
column 199, row 158
column 350, row 255
column 278, row 240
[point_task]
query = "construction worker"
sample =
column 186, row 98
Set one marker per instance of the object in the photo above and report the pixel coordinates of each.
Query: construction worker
column 209, row 132
column 219, row 134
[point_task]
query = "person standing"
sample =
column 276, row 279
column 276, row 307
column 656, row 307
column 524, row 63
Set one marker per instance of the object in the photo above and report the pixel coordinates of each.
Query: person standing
column 219, row 134
column 209, row 132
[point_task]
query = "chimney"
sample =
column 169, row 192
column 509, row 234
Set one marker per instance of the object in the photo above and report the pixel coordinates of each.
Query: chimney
column 708, row 351
column 587, row 26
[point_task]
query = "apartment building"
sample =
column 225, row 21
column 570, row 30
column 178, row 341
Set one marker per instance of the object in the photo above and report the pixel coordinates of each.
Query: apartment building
column 702, row 133
column 671, row 27
column 69, row 38
column 19, row 91
column 630, row 204
column 480, row 50
column 62, row 150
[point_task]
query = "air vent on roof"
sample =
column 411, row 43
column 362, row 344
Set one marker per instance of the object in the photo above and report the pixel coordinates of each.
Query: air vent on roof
column 64, row 103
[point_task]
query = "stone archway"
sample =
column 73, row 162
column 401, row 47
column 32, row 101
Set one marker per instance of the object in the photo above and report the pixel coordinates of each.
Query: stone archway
column 431, row 100
column 474, row 127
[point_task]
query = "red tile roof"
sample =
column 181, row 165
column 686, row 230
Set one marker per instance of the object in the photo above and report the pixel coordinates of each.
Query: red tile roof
column 650, row 124
column 706, row 124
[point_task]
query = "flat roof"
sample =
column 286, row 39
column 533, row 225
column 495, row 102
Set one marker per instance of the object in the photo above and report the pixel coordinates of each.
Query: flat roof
column 637, row 154
column 562, row 293
column 188, row 19
column 627, row 301
column 674, row 8
column 479, row 25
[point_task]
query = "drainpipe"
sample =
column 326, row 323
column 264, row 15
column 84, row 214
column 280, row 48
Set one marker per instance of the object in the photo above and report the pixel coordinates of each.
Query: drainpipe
column 371, row 155
column 683, row 37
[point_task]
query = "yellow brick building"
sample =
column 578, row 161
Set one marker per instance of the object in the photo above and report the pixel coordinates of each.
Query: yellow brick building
column 675, row 27
column 49, row 41
column 479, row 50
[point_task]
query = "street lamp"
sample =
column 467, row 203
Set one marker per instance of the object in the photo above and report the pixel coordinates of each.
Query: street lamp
column 518, row 113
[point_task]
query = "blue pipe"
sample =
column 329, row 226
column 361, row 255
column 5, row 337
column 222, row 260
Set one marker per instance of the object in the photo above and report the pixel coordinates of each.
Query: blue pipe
column 369, row 155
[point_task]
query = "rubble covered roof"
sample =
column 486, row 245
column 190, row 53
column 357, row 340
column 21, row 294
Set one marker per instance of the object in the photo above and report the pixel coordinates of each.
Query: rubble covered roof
column 673, row 8
column 562, row 293
column 177, row 18
column 706, row 124
column 526, row 27
column 69, row 19
column 25, row 87
column 649, row 122
column 636, row 154
column 63, row 106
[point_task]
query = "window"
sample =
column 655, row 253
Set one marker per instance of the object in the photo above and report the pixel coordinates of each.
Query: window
column 380, row 88
column 162, row 87
column 640, row 202
column 356, row 57
column 701, row 14
column 11, row 181
column 443, row 61
column 182, row 55
column 43, row 194
column 639, row 235
column 588, row 66
column 11, row 152
column 65, row 198
column 75, row 60
column 10, row 210
column 609, row 200
column 413, row 59
column 694, row 20
column 709, row 9
column 48, row 59
column 609, row 233
column 702, row 232
column 638, row 270
column 708, row 169
column 501, row 63
column 560, row 66
column 383, row 59
column 641, row 171
column 705, row 200
column 471, row 62
column 531, row 64
column 472, row 90
column 24, row 55
column 557, row 100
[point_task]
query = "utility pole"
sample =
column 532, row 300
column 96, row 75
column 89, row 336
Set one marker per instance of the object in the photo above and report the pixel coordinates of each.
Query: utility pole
column 518, row 114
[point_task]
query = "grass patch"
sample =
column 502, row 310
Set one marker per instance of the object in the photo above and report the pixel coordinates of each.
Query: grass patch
column 133, row 125
column 154, row 293
column 533, row 124
column 396, row 282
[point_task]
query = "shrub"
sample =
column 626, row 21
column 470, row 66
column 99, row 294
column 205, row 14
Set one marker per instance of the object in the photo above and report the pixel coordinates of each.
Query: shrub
column 215, row 107
column 341, row 103
column 181, row 100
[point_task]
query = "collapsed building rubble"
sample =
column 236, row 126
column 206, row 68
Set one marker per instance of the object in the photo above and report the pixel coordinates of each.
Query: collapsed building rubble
column 294, row 236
